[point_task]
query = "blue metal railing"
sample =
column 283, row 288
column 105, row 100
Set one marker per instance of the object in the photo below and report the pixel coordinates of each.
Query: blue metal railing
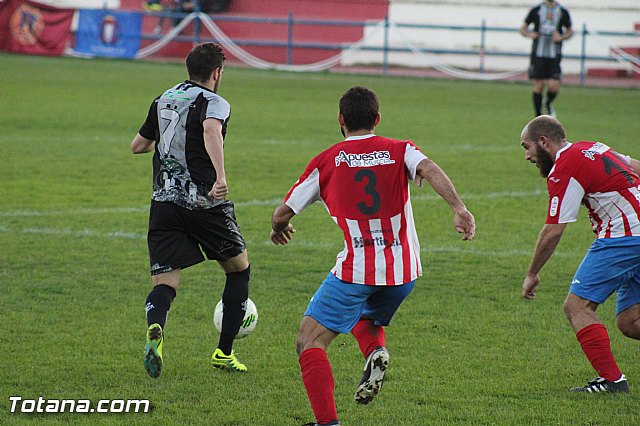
column 290, row 22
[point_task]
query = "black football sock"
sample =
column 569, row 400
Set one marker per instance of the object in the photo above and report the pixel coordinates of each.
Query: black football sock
column 550, row 97
column 158, row 304
column 537, row 103
column 234, row 298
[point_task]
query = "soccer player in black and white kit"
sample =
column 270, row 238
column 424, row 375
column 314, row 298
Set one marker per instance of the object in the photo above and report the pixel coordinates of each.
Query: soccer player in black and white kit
column 551, row 26
column 189, row 214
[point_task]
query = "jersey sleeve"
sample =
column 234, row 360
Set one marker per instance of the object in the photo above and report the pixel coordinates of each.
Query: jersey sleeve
column 217, row 107
column 305, row 191
column 565, row 21
column 626, row 159
column 566, row 187
column 412, row 157
column 148, row 129
column 531, row 16
column 564, row 200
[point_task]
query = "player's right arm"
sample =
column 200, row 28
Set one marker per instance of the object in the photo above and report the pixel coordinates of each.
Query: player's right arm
column 281, row 228
column 545, row 246
column 524, row 30
column 302, row 194
column 214, row 145
column 140, row 144
column 144, row 140
column 463, row 220
column 565, row 196
column 528, row 20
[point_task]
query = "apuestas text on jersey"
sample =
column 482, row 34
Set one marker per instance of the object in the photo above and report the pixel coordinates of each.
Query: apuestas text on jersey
column 375, row 158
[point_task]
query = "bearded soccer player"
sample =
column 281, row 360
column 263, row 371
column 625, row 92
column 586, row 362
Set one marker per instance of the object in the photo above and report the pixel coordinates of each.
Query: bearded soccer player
column 189, row 215
column 607, row 184
column 364, row 184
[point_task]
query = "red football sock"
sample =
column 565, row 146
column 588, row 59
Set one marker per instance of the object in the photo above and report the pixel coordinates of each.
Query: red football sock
column 596, row 345
column 369, row 336
column 318, row 380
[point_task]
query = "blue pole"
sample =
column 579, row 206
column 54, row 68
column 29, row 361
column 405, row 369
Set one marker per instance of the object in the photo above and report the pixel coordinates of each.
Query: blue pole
column 385, row 47
column 483, row 32
column 290, row 39
column 583, row 53
column 196, row 24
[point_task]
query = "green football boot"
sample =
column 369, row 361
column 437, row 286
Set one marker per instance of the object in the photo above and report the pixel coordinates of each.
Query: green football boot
column 153, row 350
column 227, row 362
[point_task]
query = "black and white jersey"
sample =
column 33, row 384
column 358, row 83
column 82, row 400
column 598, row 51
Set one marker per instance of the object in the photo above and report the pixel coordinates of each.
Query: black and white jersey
column 545, row 21
column 182, row 170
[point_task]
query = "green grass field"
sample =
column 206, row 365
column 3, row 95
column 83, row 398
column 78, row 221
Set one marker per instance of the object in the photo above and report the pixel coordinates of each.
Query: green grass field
column 465, row 348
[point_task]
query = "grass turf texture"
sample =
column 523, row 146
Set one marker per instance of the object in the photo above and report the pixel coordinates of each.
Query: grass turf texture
column 465, row 348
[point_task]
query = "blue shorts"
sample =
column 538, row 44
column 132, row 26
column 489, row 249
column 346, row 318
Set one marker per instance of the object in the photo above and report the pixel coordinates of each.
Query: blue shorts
column 611, row 264
column 338, row 305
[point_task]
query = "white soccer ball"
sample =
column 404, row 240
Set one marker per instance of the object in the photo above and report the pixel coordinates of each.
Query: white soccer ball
column 248, row 323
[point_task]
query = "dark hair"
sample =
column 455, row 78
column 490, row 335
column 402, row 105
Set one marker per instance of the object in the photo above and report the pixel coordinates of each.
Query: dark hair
column 203, row 59
column 359, row 107
column 548, row 126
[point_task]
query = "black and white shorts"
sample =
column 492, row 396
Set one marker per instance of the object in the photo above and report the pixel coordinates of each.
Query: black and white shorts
column 178, row 236
column 545, row 69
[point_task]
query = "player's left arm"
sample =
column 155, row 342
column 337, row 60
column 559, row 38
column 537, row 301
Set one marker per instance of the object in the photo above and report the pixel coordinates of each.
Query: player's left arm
column 463, row 220
column 557, row 37
column 548, row 240
column 281, row 228
column 140, row 144
column 631, row 162
column 635, row 165
column 566, row 23
column 213, row 143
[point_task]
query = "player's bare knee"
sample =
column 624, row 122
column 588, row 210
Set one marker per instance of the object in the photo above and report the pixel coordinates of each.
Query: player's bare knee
column 626, row 328
column 569, row 308
column 629, row 326
column 171, row 279
column 303, row 339
column 302, row 343
column 308, row 337
column 237, row 263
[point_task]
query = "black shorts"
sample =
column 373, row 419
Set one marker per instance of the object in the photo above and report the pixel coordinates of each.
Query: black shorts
column 545, row 69
column 178, row 236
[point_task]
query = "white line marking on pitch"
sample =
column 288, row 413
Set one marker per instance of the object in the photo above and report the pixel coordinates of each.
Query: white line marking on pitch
column 254, row 202
column 119, row 234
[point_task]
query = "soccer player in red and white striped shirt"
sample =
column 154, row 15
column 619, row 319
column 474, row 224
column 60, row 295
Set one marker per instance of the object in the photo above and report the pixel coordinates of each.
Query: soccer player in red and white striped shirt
column 363, row 183
column 607, row 184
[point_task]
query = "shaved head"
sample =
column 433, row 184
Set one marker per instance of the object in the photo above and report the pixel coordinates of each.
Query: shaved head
column 544, row 125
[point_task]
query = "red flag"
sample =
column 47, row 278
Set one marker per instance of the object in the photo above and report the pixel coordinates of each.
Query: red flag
column 33, row 28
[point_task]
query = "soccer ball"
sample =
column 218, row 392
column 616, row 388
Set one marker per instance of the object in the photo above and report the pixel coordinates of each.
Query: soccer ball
column 248, row 323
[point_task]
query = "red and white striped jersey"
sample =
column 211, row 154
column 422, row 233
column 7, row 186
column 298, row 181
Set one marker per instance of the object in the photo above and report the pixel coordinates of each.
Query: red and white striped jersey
column 364, row 185
column 604, row 181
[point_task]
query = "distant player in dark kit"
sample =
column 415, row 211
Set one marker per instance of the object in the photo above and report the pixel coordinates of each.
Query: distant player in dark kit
column 364, row 184
column 189, row 214
column 551, row 26
column 607, row 184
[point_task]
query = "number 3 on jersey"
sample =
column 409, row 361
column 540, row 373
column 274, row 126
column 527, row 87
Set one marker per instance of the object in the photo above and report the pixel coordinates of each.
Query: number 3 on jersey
column 370, row 189
column 170, row 119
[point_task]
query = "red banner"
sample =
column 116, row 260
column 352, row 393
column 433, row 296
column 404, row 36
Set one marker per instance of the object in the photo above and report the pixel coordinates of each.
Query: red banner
column 33, row 28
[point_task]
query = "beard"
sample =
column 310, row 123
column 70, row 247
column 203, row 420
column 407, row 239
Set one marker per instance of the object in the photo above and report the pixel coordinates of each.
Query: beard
column 544, row 161
column 342, row 131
